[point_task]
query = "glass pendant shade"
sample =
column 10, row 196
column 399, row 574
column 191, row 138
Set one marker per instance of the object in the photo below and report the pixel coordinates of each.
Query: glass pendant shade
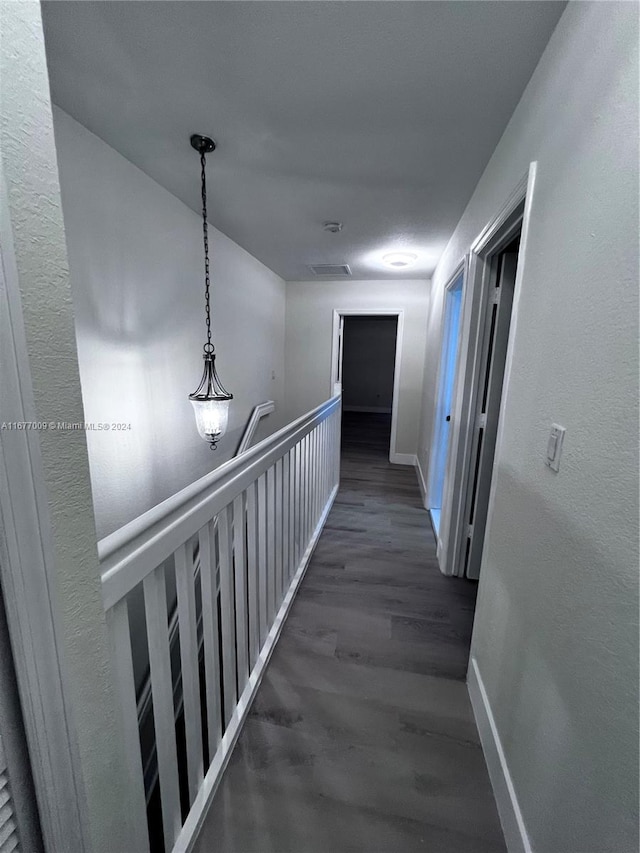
column 212, row 417
column 210, row 402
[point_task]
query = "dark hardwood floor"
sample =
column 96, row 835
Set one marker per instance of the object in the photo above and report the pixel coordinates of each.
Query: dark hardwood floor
column 361, row 738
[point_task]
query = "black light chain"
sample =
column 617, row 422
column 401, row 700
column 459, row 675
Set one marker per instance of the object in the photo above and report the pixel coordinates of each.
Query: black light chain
column 208, row 347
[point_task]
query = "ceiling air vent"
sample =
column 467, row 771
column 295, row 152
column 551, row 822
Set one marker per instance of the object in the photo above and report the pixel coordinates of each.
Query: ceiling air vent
column 330, row 270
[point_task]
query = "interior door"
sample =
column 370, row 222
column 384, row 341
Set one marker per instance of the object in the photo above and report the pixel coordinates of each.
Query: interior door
column 490, row 382
column 447, row 373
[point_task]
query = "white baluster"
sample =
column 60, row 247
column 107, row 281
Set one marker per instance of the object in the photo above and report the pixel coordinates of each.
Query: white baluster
column 279, row 551
column 292, row 517
column 263, row 585
column 240, row 563
column 325, row 461
column 305, row 487
column 271, row 546
column 119, row 633
column 252, row 575
column 297, row 508
column 155, row 604
column 189, row 662
column 210, row 637
column 286, row 560
column 316, row 475
column 227, row 614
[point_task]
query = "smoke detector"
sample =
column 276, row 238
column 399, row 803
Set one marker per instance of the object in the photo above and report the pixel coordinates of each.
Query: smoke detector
column 332, row 227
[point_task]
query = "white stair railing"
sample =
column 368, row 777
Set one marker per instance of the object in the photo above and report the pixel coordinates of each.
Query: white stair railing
column 150, row 763
column 260, row 411
column 256, row 520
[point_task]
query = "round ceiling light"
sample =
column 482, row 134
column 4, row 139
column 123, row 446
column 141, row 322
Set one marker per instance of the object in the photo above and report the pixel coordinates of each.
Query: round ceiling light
column 399, row 260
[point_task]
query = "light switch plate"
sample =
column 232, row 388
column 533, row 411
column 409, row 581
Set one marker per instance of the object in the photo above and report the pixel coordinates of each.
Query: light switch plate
column 554, row 446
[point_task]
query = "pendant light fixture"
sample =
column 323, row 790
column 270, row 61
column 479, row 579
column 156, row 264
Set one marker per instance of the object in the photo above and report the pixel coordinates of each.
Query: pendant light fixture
column 210, row 400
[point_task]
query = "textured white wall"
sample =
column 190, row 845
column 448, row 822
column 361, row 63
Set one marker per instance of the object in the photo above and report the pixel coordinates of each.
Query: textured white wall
column 556, row 636
column 28, row 163
column 136, row 260
column 310, row 307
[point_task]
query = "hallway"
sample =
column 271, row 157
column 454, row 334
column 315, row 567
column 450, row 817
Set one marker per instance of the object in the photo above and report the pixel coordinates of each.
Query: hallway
column 361, row 737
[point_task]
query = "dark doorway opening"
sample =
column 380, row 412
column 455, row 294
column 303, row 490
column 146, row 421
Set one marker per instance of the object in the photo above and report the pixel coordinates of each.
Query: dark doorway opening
column 367, row 372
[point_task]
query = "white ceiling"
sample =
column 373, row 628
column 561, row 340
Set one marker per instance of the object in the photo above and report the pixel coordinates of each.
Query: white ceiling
column 382, row 115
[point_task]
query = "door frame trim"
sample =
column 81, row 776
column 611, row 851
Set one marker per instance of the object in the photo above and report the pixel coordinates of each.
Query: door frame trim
column 515, row 212
column 336, row 348
column 28, row 572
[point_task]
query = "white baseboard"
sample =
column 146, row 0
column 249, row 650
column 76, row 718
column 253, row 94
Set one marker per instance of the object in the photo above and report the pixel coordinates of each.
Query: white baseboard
column 515, row 832
column 375, row 410
column 402, row 458
column 421, row 482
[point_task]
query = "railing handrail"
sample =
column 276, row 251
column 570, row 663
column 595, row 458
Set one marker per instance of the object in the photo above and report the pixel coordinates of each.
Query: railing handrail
column 151, row 535
column 259, row 412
